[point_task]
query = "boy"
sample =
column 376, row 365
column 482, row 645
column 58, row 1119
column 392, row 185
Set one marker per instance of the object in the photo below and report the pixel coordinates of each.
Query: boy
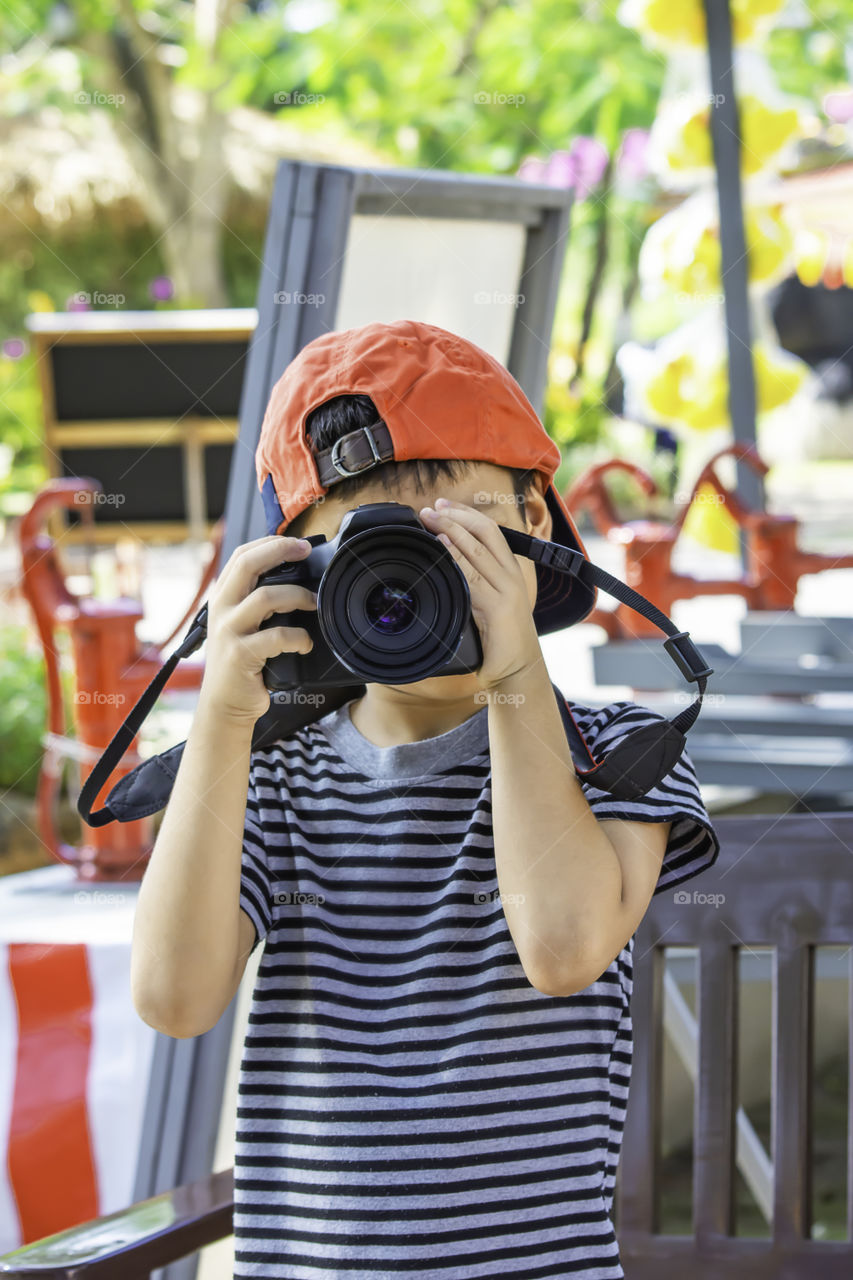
column 436, row 1067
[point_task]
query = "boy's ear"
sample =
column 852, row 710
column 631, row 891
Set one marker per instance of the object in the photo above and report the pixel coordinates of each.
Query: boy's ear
column 537, row 517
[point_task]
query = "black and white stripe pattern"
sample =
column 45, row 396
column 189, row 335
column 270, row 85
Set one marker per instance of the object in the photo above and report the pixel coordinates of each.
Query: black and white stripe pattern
column 409, row 1105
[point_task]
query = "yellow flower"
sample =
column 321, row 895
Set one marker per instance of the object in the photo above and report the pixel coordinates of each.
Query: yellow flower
column 777, row 378
column 681, row 135
column 709, row 523
column 769, row 241
column 708, row 408
column 685, row 392
column 810, row 252
column 765, row 131
column 38, row 300
column 663, row 391
column 681, row 23
column 668, row 24
column 682, row 250
column 695, row 150
column 681, row 392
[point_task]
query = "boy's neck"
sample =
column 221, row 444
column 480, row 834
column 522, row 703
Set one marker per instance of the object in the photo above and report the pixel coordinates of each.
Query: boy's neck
column 388, row 717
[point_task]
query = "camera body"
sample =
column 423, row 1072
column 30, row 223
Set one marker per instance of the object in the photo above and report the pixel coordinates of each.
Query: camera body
column 393, row 606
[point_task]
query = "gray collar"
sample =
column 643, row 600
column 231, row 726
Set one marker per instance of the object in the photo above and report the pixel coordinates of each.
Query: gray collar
column 406, row 759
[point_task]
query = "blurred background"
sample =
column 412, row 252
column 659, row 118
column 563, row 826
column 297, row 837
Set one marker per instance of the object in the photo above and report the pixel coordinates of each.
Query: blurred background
column 138, row 148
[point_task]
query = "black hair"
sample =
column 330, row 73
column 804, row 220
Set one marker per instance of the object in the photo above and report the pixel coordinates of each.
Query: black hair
column 329, row 421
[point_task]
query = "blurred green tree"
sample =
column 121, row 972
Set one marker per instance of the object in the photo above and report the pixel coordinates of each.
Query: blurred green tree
column 471, row 85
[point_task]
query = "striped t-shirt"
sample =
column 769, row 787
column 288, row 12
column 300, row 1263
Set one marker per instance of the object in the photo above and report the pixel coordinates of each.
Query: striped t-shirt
column 409, row 1104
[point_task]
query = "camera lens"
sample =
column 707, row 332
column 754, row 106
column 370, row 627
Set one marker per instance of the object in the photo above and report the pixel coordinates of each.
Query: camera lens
column 393, row 604
column 389, row 607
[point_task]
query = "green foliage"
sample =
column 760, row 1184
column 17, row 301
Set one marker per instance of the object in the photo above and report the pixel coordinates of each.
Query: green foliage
column 118, row 259
column 558, row 61
column 84, row 260
column 809, row 61
column 123, row 260
column 467, row 85
column 23, row 710
column 22, row 468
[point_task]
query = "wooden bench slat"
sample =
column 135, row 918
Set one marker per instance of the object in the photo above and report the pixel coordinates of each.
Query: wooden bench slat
column 132, row 1242
column 638, row 1209
column 716, row 1092
column 793, row 1005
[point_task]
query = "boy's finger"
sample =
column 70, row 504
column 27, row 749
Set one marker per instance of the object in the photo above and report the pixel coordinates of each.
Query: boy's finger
column 477, row 553
column 478, row 523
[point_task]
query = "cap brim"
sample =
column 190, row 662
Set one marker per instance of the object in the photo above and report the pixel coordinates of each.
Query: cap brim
column 561, row 599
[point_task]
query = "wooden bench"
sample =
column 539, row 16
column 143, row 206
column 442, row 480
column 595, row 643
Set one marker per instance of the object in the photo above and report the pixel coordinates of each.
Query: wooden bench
column 133, row 1242
column 787, row 883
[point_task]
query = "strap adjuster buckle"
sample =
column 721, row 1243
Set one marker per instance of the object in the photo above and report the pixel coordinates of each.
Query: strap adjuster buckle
column 335, row 458
column 687, row 657
column 557, row 557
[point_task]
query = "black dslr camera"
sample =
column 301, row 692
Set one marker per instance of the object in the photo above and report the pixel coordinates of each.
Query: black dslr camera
column 393, row 606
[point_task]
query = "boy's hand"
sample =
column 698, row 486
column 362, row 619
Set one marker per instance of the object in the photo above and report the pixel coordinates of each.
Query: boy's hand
column 237, row 649
column 499, row 600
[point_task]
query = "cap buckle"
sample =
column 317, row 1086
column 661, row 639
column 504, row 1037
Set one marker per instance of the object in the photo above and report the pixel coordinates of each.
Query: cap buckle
column 335, row 454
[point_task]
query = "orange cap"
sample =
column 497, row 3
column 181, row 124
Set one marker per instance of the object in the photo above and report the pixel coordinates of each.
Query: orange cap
column 438, row 396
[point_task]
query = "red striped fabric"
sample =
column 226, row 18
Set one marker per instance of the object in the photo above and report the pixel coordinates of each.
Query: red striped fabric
column 50, row 1162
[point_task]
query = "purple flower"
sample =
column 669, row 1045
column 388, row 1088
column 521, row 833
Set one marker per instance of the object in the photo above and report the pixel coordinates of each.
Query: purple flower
column 532, row 169
column 591, row 161
column 581, row 168
column 631, row 161
column 561, row 170
column 78, row 302
column 14, row 348
column 161, row 288
column 839, row 106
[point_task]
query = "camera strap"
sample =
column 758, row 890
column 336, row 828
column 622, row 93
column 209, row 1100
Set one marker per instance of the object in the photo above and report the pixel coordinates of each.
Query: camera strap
column 141, row 791
column 645, row 755
column 630, row 769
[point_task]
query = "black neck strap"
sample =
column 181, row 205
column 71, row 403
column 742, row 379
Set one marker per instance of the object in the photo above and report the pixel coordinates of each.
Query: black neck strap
column 627, row 771
column 679, row 646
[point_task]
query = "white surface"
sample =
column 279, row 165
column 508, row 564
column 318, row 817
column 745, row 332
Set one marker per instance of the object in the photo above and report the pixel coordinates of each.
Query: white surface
column 50, row 905
column 465, row 275
column 127, row 321
column 9, row 1224
column 119, row 1071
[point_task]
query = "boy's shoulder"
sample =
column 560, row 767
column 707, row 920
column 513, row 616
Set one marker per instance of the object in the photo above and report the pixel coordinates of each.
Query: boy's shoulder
column 607, row 722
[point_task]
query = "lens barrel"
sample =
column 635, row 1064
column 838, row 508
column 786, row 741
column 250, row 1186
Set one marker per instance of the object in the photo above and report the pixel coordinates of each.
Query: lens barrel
column 393, row 605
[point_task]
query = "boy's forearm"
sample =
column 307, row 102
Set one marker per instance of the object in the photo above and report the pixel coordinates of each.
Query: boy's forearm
column 186, row 928
column 555, row 865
